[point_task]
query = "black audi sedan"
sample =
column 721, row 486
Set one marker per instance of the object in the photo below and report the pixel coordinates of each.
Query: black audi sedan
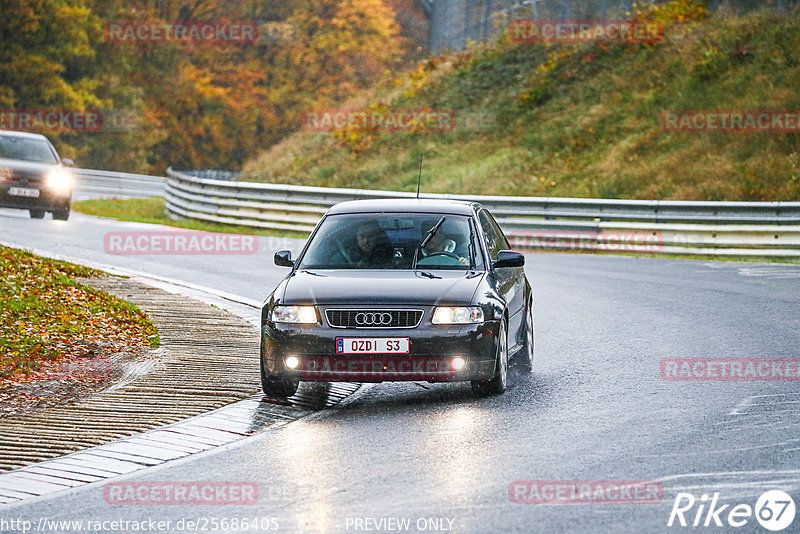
column 399, row 290
column 32, row 176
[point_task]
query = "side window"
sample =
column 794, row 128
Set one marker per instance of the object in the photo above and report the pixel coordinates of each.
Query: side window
column 494, row 241
column 504, row 244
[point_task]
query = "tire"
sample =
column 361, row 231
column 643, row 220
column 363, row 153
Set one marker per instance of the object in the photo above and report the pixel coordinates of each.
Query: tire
column 497, row 384
column 277, row 387
column 61, row 215
column 36, row 214
column 525, row 356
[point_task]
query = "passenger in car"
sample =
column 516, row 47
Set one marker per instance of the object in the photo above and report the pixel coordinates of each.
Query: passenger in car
column 440, row 243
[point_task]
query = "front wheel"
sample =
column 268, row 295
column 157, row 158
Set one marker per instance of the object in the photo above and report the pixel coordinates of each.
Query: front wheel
column 497, row 384
column 277, row 387
column 61, row 215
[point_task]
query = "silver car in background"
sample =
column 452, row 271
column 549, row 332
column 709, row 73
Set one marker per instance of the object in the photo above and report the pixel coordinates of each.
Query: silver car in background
column 33, row 176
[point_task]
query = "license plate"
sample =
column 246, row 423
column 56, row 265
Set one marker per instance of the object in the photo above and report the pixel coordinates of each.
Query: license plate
column 372, row 345
column 23, row 192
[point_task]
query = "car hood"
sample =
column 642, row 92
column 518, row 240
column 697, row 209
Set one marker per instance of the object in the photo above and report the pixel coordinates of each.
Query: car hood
column 326, row 287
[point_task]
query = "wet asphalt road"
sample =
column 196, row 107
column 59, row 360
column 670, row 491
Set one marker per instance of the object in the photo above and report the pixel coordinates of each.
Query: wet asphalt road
column 595, row 407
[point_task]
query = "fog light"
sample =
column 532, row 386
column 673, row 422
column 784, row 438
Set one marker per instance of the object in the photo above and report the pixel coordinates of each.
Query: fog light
column 458, row 363
column 292, row 362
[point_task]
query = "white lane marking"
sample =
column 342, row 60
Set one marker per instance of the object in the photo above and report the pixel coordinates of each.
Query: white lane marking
column 733, row 484
column 737, row 485
column 776, row 272
column 743, row 405
column 772, row 271
column 786, row 403
column 755, row 424
column 730, row 474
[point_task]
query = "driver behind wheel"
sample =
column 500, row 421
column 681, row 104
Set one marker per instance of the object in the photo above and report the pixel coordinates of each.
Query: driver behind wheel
column 374, row 246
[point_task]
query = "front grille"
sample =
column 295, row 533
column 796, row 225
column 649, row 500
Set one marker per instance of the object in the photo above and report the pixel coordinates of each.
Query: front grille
column 8, row 175
column 371, row 318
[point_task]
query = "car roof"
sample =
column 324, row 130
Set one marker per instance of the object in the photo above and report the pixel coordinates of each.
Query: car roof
column 412, row 205
column 12, row 133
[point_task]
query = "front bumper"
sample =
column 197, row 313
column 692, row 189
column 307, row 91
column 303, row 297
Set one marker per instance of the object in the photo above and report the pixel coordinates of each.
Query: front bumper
column 47, row 200
column 431, row 350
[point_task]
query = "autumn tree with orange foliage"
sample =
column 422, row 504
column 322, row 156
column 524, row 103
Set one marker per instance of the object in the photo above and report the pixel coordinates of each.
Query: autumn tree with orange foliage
column 191, row 105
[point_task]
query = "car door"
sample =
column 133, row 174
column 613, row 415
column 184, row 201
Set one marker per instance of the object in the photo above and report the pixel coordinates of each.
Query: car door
column 508, row 281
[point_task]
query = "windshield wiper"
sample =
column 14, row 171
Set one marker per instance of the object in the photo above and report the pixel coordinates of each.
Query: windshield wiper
column 428, row 237
column 471, row 248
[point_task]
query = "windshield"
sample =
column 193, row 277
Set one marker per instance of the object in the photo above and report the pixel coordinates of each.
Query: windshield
column 392, row 241
column 26, row 149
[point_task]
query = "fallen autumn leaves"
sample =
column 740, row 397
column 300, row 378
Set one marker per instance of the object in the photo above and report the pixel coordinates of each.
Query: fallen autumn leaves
column 54, row 330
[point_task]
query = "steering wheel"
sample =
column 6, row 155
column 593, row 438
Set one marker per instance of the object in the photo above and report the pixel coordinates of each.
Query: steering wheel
column 444, row 253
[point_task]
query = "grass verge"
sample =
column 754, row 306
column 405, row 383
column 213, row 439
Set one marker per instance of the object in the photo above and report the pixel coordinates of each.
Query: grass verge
column 47, row 316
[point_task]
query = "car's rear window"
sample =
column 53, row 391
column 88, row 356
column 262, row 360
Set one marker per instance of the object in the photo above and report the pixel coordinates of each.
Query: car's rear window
column 26, row 149
column 393, row 241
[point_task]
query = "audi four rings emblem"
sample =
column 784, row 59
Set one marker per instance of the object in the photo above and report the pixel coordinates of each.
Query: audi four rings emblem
column 373, row 319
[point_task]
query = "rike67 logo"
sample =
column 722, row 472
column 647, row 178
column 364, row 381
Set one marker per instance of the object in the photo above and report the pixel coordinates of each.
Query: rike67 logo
column 774, row 510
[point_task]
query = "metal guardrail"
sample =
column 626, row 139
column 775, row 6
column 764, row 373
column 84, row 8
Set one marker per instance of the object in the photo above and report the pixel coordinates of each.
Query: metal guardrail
column 107, row 184
column 213, row 174
column 674, row 227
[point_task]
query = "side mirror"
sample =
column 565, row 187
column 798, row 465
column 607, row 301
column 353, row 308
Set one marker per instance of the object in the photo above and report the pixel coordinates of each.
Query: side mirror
column 67, row 162
column 283, row 258
column 508, row 258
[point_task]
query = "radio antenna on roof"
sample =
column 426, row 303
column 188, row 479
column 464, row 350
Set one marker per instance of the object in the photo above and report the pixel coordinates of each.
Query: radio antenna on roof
column 419, row 178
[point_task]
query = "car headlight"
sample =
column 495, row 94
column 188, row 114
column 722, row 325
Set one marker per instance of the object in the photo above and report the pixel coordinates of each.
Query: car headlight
column 457, row 315
column 294, row 314
column 59, row 180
